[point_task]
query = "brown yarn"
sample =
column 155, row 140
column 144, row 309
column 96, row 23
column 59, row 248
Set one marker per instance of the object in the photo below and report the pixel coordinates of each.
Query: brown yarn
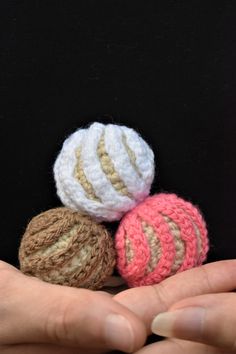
column 61, row 246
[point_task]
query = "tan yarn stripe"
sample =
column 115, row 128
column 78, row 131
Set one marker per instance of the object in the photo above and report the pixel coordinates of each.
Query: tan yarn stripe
column 199, row 241
column 128, row 250
column 76, row 250
column 198, row 234
column 43, row 222
column 109, row 169
column 45, row 228
column 107, row 262
column 92, row 268
column 92, row 278
column 179, row 244
column 154, row 245
column 131, row 154
column 79, row 260
column 81, row 177
column 90, row 273
column 65, row 249
column 60, row 245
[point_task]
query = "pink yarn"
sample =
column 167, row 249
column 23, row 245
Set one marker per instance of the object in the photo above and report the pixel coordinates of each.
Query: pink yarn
column 161, row 236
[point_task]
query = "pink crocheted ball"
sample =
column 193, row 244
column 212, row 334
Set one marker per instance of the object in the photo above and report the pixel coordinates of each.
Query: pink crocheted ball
column 162, row 236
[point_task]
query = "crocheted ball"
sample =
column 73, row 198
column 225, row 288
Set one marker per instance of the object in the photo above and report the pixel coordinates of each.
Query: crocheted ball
column 61, row 246
column 160, row 237
column 104, row 171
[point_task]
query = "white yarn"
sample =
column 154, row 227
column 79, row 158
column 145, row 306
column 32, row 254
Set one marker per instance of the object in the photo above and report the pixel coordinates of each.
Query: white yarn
column 128, row 154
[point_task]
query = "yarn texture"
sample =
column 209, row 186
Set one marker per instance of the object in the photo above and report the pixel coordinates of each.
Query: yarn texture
column 162, row 236
column 61, row 246
column 104, row 171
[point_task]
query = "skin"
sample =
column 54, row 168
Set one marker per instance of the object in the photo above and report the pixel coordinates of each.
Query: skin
column 37, row 317
column 209, row 287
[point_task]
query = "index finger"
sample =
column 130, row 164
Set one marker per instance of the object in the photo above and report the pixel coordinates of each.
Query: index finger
column 148, row 301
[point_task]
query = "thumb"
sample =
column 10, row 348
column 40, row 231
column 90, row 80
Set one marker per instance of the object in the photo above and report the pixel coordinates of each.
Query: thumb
column 37, row 312
column 209, row 319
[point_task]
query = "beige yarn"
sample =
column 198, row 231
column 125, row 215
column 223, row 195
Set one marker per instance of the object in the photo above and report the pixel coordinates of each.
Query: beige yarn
column 62, row 246
column 80, row 175
column 109, row 169
column 155, row 246
column 104, row 171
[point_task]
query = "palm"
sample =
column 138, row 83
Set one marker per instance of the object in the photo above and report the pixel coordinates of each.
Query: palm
column 213, row 281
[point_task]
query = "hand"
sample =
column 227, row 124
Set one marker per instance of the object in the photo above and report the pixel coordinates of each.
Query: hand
column 41, row 318
column 194, row 306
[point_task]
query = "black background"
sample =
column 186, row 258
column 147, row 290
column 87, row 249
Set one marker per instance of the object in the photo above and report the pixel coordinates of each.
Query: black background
column 165, row 68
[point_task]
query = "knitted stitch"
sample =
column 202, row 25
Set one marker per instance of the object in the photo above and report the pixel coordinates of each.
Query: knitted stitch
column 104, row 171
column 161, row 236
column 61, row 246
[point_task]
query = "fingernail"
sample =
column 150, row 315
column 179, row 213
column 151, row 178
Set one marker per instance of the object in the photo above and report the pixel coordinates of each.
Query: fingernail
column 119, row 333
column 183, row 323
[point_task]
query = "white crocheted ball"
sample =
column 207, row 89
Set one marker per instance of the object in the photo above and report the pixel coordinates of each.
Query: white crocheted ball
column 104, row 171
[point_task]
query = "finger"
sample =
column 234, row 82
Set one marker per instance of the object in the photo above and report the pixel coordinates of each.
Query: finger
column 209, row 319
column 66, row 316
column 38, row 349
column 44, row 349
column 148, row 301
column 176, row 346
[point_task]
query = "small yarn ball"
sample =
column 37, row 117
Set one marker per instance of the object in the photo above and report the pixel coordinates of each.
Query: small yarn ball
column 104, row 171
column 60, row 246
column 162, row 236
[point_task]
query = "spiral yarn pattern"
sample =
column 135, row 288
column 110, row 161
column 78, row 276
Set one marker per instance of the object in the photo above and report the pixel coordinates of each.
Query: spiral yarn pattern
column 161, row 236
column 104, row 171
column 61, row 246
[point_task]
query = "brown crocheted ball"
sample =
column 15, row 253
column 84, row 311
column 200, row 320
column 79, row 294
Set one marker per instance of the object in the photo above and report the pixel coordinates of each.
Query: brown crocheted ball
column 61, row 246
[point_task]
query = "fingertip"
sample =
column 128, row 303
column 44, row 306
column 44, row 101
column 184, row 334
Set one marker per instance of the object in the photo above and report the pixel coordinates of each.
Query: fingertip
column 140, row 333
column 133, row 333
column 119, row 333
